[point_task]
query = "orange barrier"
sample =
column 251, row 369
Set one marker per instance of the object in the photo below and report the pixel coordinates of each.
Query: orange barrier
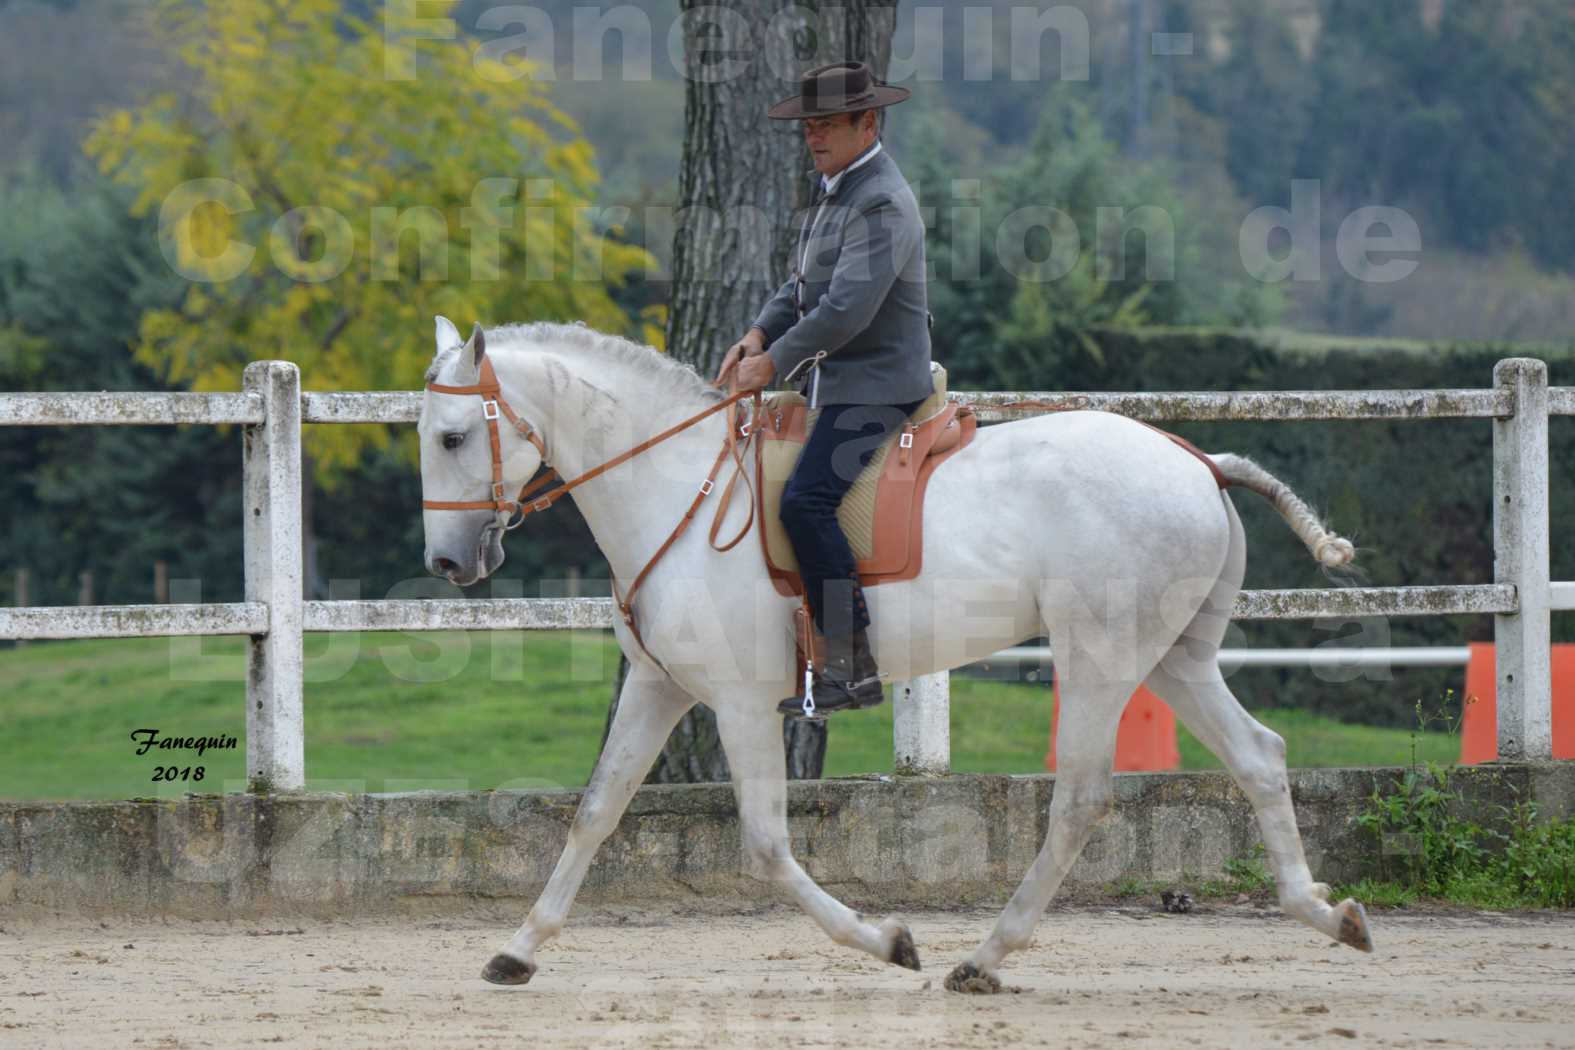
column 1479, row 728
column 1145, row 741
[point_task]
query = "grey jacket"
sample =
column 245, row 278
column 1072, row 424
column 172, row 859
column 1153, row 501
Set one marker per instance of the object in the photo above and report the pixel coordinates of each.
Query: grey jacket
column 856, row 330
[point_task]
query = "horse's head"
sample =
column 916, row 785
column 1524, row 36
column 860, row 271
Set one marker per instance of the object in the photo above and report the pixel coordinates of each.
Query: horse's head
column 473, row 459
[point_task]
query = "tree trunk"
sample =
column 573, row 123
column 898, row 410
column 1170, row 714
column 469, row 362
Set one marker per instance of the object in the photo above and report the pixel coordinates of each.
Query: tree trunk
column 742, row 180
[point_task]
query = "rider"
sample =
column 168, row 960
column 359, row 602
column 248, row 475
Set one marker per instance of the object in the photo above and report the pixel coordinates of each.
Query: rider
column 855, row 315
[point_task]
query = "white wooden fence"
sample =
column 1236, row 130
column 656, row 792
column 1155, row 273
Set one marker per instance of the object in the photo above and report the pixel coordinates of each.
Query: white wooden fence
column 272, row 408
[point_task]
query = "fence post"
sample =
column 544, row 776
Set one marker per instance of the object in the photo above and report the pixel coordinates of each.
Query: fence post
column 921, row 728
column 271, row 457
column 1522, row 640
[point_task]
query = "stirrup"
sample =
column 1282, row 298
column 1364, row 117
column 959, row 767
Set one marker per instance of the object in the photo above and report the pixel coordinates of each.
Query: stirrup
column 806, row 708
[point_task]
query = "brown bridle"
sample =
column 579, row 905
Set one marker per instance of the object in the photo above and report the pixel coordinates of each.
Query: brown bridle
column 512, row 512
column 492, row 406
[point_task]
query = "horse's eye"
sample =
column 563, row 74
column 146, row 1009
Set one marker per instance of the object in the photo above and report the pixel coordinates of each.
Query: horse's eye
column 453, row 441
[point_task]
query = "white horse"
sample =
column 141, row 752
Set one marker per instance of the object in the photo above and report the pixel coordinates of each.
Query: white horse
column 1085, row 526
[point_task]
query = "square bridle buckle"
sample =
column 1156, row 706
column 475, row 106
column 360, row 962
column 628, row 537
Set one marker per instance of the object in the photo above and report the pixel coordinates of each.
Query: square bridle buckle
column 489, row 409
column 906, row 441
column 705, row 487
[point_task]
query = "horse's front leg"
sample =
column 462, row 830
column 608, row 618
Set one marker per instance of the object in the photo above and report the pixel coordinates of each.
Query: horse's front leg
column 751, row 733
column 648, row 709
column 1084, row 793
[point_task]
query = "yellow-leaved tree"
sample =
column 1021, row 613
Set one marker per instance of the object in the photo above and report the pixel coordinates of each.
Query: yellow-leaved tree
column 327, row 185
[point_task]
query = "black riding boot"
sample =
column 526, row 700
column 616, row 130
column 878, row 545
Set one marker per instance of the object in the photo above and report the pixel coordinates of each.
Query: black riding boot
column 850, row 681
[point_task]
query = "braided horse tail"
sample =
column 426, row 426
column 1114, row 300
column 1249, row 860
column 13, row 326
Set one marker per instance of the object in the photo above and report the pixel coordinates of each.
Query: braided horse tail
column 1330, row 550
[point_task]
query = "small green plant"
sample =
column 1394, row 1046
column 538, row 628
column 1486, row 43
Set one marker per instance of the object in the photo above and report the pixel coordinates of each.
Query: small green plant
column 1129, row 887
column 1445, row 717
column 1539, row 858
column 1427, row 848
column 1422, row 841
column 1249, row 874
column 1377, row 892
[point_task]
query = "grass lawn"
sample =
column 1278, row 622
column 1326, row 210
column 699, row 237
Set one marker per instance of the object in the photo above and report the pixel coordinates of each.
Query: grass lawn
column 451, row 710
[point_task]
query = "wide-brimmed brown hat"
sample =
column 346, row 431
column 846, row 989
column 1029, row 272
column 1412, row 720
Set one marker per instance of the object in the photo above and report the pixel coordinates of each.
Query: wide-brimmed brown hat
column 842, row 87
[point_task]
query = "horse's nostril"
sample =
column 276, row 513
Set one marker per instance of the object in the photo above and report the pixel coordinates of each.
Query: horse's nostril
column 445, row 566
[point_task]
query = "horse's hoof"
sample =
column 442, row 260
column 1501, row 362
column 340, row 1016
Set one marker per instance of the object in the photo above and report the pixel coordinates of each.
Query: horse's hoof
column 903, row 953
column 968, row 979
column 1353, row 925
column 505, row 969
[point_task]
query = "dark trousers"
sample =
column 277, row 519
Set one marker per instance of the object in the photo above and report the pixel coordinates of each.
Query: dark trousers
column 842, row 443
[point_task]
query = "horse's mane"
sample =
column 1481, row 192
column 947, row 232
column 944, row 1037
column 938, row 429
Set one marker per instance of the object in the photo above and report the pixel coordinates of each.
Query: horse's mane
column 668, row 375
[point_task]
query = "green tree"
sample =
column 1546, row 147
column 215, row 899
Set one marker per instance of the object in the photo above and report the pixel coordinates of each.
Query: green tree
column 1070, row 237
column 1259, row 97
column 76, row 271
column 327, row 185
column 1465, row 120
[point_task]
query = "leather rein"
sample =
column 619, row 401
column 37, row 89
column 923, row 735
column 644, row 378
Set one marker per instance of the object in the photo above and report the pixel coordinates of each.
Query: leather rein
column 511, row 513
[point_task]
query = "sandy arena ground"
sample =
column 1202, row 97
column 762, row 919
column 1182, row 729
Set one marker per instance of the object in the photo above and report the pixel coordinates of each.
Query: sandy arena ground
column 1227, row 976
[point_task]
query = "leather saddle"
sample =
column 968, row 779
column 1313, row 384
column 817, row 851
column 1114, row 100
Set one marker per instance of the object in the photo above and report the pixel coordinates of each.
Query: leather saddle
column 883, row 513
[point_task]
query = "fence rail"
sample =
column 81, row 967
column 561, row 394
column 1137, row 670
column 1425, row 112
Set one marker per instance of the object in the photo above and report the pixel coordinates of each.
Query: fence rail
column 272, row 408
column 1263, row 406
column 539, row 614
column 1322, row 656
column 117, row 409
column 479, row 614
column 110, row 409
column 133, row 621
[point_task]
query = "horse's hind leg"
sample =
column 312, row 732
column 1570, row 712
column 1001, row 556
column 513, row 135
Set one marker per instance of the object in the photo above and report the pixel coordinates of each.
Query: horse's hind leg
column 1255, row 756
column 1188, row 679
column 751, row 733
column 647, row 712
column 1084, row 791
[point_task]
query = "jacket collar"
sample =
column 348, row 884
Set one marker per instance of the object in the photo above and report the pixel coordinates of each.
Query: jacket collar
column 855, row 172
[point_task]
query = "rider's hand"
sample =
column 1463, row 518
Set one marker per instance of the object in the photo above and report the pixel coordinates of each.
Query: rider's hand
column 753, row 344
column 755, row 371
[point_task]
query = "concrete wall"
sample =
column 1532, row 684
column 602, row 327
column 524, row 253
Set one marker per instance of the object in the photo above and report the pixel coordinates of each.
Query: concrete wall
column 875, row 842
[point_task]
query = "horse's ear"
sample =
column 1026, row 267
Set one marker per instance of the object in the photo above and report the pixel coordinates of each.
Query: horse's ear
column 447, row 334
column 477, row 346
